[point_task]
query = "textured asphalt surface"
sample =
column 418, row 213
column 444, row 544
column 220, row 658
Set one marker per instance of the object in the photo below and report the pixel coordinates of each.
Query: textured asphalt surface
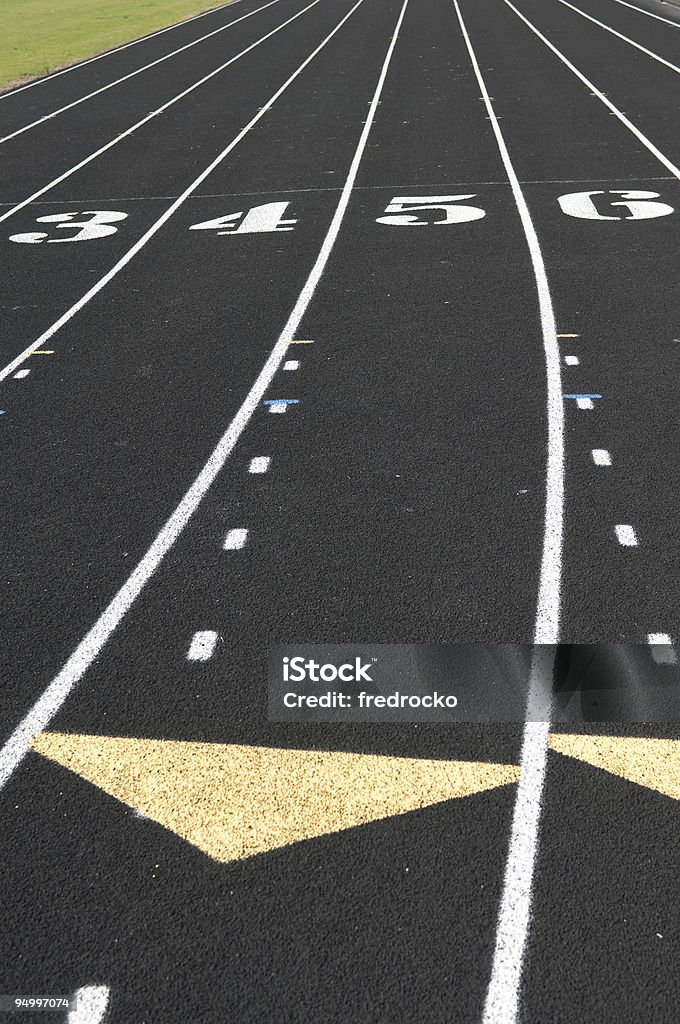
column 404, row 500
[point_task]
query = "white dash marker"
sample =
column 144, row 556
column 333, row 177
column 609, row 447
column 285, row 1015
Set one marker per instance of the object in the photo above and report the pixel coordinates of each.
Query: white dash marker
column 571, row 360
column 662, row 649
column 601, row 457
column 260, row 464
column 626, row 536
column 278, row 407
column 584, row 403
column 291, row 364
column 235, row 539
column 21, row 373
column 202, row 645
column 91, row 1004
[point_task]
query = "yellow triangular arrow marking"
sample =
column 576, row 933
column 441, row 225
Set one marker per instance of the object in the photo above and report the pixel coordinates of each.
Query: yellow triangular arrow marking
column 234, row 801
column 648, row 762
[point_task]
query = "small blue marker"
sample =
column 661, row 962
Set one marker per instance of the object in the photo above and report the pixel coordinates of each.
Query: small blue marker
column 581, row 396
column 281, row 401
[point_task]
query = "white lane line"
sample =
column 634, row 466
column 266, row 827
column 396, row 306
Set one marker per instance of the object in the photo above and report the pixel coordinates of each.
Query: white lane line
column 157, row 225
column 650, row 14
column 512, row 928
column 150, row 116
column 663, row 652
column 202, row 646
column 584, row 403
column 91, row 1004
column 235, row 539
column 626, row 39
column 21, row 373
column 47, row 705
column 260, row 464
column 571, row 360
column 626, row 536
column 601, row 457
column 132, row 74
column 116, row 49
column 640, row 136
column 291, row 364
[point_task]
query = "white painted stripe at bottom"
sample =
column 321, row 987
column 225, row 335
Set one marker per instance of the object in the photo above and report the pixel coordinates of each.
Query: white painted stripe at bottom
column 21, row 373
column 235, row 539
column 91, row 1005
column 601, row 457
column 626, row 536
column 585, row 403
column 47, row 705
column 502, row 998
column 663, row 652
column 260, row 464
column 202, row 646
column 291, row 364
column 279, row 407
column 571, row 360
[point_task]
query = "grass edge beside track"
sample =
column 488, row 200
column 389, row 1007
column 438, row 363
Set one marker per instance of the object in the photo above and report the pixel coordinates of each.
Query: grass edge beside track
column 71, row 38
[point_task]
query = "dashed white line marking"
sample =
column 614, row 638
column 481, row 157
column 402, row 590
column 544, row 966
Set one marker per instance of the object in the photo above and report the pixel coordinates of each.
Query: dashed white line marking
column 260, row 464
column 663, row 652
column 278, row 407
column 202, row 646
column 91, row 1005
column 291, row 364
column 584, row 403
column 626, row 536
column 89, row 648
column 21, row 373
column 601, row 457
column 571, row 360
column 502, row 998
column 235, row 539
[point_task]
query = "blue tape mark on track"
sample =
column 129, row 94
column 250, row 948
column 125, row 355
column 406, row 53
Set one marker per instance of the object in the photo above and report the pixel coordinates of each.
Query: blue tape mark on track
column 281, row 401
column 581, row 396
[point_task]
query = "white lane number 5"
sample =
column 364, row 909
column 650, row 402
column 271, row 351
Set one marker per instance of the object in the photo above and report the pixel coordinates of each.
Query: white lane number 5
column 405, row 211
column 91, row 224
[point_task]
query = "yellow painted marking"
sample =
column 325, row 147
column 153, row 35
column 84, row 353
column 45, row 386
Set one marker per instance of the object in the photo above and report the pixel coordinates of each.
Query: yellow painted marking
column 567, row 335
column 648, row 762
column 43, row 352
column 299, row 342
column 233, row 801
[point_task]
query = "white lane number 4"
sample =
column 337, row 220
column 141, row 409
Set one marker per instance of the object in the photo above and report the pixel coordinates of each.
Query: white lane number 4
column 269, row 217
column 77, row 227
column 405, row 211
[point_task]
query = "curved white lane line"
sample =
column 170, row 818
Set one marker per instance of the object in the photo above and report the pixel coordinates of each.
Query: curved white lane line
column 132, row 74
column 626, row 39
column 39, row 716
column 149, row 117
column 116, row 49
column 640, row 136
column 512, row 929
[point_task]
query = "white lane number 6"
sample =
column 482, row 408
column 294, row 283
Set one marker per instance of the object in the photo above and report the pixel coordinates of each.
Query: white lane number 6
column 404, row 210
column 92, row 224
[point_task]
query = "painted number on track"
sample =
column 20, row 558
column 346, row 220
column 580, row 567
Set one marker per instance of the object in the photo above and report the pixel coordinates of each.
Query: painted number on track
column 269, row 217
column 404, row 210
column 630, row 204
column 91, row 224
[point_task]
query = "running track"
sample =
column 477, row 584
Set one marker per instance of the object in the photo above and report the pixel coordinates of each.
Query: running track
column 174, row 214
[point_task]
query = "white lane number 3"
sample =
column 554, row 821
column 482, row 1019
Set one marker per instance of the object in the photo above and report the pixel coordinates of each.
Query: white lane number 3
column 90, row 224
column 404, row 211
